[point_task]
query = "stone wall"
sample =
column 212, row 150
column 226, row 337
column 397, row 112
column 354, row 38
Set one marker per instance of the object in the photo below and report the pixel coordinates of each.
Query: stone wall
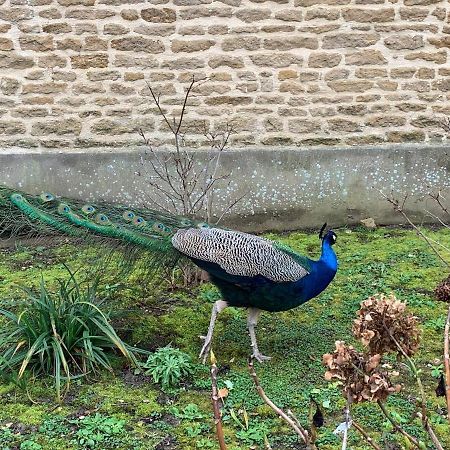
column 74, row 73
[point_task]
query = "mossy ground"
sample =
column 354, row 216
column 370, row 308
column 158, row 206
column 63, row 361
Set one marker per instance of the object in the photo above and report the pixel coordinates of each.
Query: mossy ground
column 136, row 414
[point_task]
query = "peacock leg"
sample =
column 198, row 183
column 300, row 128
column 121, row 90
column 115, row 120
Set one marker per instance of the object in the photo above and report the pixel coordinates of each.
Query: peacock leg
column 218, row 306
column 253, row 315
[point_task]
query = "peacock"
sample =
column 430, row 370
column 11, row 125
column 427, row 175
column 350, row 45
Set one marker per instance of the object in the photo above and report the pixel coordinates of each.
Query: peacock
column 250, row 271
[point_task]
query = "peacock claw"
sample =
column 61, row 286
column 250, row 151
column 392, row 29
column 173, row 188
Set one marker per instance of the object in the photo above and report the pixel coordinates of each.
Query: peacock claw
column 260, row 357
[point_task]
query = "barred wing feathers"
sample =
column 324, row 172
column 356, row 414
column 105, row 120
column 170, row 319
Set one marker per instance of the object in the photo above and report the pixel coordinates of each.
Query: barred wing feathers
column 241, row 253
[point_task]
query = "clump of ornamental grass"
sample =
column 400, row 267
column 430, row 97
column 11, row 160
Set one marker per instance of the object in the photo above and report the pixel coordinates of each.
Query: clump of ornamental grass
column 63, row 334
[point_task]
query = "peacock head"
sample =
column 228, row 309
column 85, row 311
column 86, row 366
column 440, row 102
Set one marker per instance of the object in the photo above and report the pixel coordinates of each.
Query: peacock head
column 329, row 237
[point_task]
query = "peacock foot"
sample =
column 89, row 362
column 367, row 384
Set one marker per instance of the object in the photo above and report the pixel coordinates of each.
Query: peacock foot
column 205, row 349
column 260, row 357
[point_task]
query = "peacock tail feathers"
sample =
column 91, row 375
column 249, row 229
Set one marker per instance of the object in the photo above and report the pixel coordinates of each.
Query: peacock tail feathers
column 141, row 234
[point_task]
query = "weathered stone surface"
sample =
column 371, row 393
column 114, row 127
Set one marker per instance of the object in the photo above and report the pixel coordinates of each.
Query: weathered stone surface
column 369, row 15
column 115, row 29
column 277, row 28
column 403, row 72
column 6, row 44
column 439, row 57
column 63, row 76
column 245, row 42
column 59, row 127
column 348, row 126
column 192, row 45
column 385, row 121
column 138, row 44
column 44, row 88
column 15, row 61
column 159, row 15
column 12, row 127
column 9, row 86
column 337, row 74
column 350, row 40
column 440, row 42
column 57, row 28
column 52, row 61
column 36, row 43
column 278, row 60
column 98, row 60
column 227, row 61
column 130, row 14
column 15, row 14
column 365, row 57
column 425, row 73
column 228, row 100
column 323, row 13
column 76, row 2
column 51, row 13
column 253, row 15
column 420, row 2
column 350, row 85
column 414, row 14
column 94, row 43
column 320, row 2
column 194, row 30
column 289, row 15
column 405, row 42
column 324, row 59
column 197, row 12
column 289, row 43
column 155, row 30
column 101, row 75
column 89, row 14
column 301, row 126
column 370, row 72
column 183, row 63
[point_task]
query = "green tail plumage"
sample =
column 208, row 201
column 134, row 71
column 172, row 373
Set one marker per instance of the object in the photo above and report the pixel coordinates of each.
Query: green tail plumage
column 137, row 232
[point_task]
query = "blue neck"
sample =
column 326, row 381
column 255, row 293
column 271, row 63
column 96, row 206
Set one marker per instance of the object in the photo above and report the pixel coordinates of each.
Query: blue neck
column 328, row 256
column 321, row 274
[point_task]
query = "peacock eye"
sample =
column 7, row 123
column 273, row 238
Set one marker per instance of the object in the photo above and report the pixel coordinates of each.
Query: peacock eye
column 88, row 209
column 128, row 215
column 160, row 226
column 17, row 197
column 63, row 208
column 47, row 197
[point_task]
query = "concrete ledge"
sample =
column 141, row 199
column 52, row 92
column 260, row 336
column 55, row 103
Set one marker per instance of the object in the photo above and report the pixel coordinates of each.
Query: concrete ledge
column 286, row 188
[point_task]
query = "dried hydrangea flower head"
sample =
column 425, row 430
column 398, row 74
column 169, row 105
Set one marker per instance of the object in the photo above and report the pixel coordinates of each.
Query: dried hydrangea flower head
column 442, row 291
column 362, row 378
column 383, row 322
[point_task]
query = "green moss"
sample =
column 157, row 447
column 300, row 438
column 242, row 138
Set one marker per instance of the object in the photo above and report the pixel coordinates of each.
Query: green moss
column 152, row 315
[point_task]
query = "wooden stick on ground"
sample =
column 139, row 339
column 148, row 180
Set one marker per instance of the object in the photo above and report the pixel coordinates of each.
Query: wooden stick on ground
column 447, row 362
column 215, row 402
column 293, row 422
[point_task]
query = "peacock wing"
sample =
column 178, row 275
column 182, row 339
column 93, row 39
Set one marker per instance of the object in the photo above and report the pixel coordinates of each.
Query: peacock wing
column 239, row 253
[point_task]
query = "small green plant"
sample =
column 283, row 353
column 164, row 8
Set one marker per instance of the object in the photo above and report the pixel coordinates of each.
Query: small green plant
column 63, row 334
column 98, row 431
column 30, row 445
column 168, row 366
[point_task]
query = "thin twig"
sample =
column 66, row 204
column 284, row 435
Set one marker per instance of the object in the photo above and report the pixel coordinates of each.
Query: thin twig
column 293, row 423
column 399, row 208
column 215, row 402
column 348, row 421
column 368, row 439
column 447, row 362
column 410, row 438
column 424, row 414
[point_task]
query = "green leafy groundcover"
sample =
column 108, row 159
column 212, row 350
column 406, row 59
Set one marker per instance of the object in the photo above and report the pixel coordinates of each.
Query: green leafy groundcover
column 126, row 410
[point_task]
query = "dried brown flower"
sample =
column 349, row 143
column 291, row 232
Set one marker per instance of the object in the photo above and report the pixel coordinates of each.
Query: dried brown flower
column 442, row 291
column 382, row 321
column 361, row 374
